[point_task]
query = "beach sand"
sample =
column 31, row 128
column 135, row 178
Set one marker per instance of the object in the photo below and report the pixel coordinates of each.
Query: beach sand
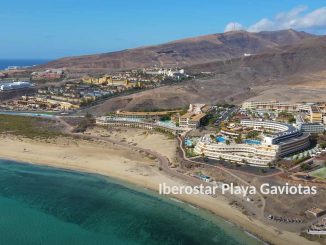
column 122, row 163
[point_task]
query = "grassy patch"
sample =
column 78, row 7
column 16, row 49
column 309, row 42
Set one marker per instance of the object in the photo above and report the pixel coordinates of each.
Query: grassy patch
column 319, row 173
column 28, row 127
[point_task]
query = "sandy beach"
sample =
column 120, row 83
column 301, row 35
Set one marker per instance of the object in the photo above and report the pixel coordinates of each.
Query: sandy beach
column 134, row 167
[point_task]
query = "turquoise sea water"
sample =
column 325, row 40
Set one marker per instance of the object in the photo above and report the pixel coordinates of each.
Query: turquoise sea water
column 42, row 205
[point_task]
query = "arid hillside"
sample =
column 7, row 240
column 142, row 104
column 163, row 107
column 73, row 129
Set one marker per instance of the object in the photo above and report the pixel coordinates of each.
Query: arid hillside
column 228, row 67
column 295, row 73
column 183, row 52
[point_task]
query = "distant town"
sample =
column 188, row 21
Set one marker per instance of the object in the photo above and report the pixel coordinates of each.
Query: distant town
column 75, row 93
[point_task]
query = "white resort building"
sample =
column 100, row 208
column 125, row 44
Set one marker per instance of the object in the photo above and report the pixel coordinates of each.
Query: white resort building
column 270, row 105
column 282, row 139
column 114, row 121
column 260, row 155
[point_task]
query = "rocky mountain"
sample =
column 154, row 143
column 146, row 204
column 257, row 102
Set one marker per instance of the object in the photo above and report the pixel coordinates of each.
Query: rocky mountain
column 184, row 52
column 294, row 73
column 308, row 55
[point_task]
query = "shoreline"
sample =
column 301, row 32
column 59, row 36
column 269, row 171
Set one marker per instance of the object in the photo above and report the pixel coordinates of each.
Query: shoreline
column 139, row 186
column 215, row 206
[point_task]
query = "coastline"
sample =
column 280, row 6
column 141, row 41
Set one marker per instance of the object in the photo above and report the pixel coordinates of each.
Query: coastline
column 123, row 164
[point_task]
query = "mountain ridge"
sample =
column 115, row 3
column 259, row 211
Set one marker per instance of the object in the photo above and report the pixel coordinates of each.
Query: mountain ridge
column 283, row 65
column 188, row 51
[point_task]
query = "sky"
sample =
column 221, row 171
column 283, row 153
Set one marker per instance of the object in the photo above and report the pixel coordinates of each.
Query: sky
column 49, row 29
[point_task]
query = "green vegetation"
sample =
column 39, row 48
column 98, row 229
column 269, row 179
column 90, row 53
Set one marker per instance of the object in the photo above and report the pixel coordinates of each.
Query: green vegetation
column 305, row 167
column 263, row 171
column 287, row 116
column 206, row 120
column 284, row 114
column 190, row 152
column 252, row 135
column 297, row 161
column 28, row 127
column 238, row 139
column 210, row 119
column 319, row 173
column 165, row 118
column 323, row 144
column 225, row 105
column 291, row 119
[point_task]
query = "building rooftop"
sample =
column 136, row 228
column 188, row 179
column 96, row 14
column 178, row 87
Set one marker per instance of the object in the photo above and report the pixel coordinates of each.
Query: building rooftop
column 193, row 117
column 315, row 109
column 197, row 117
column 316, row 210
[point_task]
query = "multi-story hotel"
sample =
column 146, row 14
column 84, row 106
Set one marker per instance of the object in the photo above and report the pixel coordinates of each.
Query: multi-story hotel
column 316, row 115
column 283, row 140
column 191, row 120
column 289, row 138
column 10, row 86
column 315, row 111
column 138, row 123
column 155, row 115
column 270, row 105
column 257, row 155
column 281, row 131
column 313, row 128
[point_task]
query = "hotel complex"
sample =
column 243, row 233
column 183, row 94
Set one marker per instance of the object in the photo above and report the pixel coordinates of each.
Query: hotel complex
column 169, row 120
column 254, row 142
column 270, row 105
column 272, row 141
column 281, row 140
column 259, row 155
column 10, row 86
column 146, row 120
column 314, row 111
column 194, row 117
column 190, row 120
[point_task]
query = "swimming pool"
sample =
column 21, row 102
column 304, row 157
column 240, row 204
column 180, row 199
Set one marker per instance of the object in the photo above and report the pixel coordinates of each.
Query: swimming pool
column 220, row 139
column 167, row 124
column 188, row 142
column 27, row 114
column 253, row 142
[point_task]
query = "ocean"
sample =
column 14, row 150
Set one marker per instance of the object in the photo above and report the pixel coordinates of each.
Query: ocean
column 4, row 63
column 43, row 205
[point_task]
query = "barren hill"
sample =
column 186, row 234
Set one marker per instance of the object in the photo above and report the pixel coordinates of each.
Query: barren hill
column 284, row 65
column 293, row 73
column 307, row 55
column 183, row 52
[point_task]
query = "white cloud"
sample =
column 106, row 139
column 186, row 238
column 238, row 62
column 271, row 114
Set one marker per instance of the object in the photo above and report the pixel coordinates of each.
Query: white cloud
column 233, row 26
column 298, row 18
column 315, row 19
column 262, row 25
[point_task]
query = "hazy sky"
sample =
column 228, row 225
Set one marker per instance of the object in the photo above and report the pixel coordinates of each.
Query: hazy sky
column 57, row 28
